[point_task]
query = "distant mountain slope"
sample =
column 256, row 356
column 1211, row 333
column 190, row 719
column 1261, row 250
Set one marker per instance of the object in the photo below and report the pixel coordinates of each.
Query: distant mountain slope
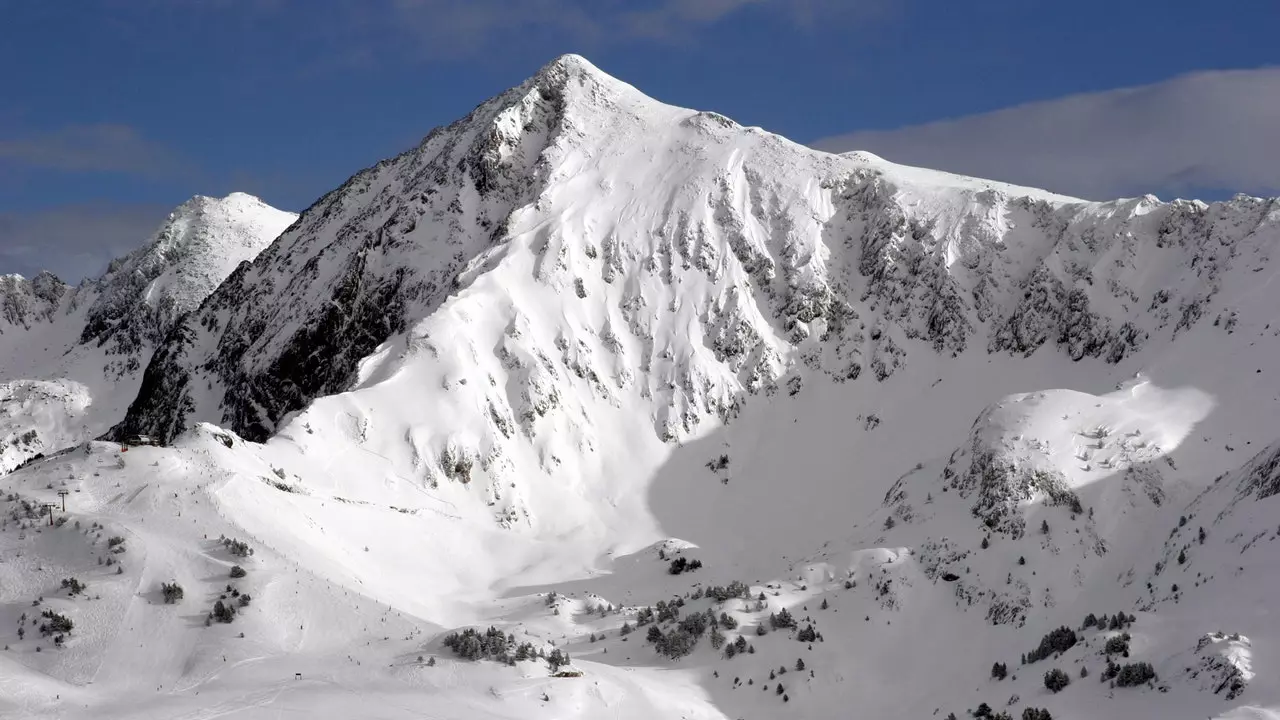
column 92, row 341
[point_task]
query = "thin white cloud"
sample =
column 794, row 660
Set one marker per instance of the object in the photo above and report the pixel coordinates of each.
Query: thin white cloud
column 74, row 241
column 1211, row 131
column 473, row 26
column 90, row 148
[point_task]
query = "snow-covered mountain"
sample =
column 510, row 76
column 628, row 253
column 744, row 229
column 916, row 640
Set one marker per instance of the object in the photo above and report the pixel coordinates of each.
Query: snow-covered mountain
column 75, row 355
column 523, row 374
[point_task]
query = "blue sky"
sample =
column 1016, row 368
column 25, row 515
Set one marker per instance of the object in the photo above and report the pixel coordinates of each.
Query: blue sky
column 121, row 109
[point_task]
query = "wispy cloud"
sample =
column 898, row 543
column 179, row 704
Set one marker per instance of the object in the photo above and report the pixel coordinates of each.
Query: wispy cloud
column 74, row 241
column 1211, row 131
column 671, row 19
column 90, row 148
column 460, row 28
column 464, row 27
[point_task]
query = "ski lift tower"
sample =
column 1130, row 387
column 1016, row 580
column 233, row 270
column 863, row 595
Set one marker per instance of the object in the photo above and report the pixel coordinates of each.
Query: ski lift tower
column 63, row 493
column 49, row 508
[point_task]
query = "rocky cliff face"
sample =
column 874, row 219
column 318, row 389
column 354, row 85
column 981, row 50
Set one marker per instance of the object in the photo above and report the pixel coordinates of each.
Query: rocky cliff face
column 26, row 302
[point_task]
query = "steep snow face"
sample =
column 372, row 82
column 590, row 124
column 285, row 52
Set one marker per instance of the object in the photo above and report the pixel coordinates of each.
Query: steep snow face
column 694, row 259
column 82, row 349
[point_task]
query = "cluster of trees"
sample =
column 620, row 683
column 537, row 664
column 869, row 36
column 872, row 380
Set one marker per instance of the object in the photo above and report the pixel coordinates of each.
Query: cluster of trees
column 73, row 586
column 1056, row 680
column 55, row 624
column 237, row 572
column 665, row 612
column 669, row 611
column 222, row 612
column 999, row 671
column 683, row 564
column 735, row 589
column 781, row 619
column 1129, row 674
column 173, row 592
column 674, row 644
column 24, row 508
column 1119, row 621
column 1056, row 641
column 984, row 712
column 737, row 647
column 492, row 644
column 1118, row 645
column 236, row 547
column 681, row 640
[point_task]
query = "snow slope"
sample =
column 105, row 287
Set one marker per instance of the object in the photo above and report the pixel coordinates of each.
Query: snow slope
column 507, row 377
column 92, row 341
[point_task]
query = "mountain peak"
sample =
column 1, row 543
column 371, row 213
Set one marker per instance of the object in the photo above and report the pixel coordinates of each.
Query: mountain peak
column 200, row 243
column 573, row 64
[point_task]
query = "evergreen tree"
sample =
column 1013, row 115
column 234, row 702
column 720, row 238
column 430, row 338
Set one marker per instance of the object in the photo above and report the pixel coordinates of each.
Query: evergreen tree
column 1056, row 680
column 717, row 638
column 782, row 619
column 172, row 592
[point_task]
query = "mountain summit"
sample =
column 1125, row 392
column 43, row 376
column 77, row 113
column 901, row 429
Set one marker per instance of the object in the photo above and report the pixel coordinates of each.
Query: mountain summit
column 699, row 259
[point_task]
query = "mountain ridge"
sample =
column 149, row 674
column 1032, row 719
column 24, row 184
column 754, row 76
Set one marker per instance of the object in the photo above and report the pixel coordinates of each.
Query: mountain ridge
column 941, row 271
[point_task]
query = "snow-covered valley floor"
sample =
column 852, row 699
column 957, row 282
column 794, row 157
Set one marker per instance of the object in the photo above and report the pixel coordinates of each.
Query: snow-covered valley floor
column 355, row 574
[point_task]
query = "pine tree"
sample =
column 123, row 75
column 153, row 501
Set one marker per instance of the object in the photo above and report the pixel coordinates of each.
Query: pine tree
column 1056, row 680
